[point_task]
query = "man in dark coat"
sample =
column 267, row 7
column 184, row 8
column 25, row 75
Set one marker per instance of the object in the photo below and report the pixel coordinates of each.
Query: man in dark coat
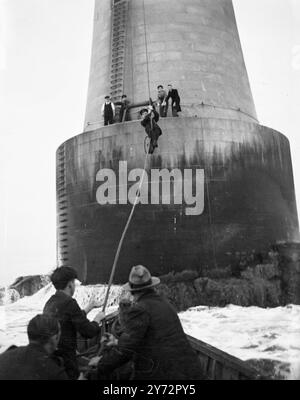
column 34, row 361
column 174, row 96
column 150, row 117
column 72, row 319
column 152, row 336
column 108, row 111
column 124, row 114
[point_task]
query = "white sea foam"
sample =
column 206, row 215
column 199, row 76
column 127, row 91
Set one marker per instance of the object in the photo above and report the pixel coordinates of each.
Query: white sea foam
column 15, row 317
column 247, row 333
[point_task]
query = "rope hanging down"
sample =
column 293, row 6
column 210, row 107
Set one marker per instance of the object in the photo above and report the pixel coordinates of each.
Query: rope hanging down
column 141, row 181
column 124, row 233
column 103, row 327
column 146, row 51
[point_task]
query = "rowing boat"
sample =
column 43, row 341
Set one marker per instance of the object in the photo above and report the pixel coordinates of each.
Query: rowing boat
column 216, row 364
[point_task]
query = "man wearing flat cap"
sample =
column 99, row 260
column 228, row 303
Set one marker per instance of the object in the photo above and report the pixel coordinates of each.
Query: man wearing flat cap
column 151, row 336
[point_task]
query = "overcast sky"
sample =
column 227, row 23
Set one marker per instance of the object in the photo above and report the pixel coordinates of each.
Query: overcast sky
column 44, row 65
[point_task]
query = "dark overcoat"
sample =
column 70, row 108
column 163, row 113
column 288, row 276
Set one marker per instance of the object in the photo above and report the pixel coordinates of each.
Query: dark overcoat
column 150, row 124
column 72, row 320
column 174, row 96
column 154, row 338
column 30, row 363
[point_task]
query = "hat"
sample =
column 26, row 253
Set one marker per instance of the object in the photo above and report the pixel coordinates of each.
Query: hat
column 143, row 110
column 140, row 279
column 107, row 97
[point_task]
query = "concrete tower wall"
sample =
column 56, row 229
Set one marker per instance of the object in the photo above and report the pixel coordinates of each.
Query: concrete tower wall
column 248, row 195
column 249, row 199
column 99, row 85
column 193, row 44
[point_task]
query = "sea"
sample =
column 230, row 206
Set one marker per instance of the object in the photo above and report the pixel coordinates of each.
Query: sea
column 249, row 333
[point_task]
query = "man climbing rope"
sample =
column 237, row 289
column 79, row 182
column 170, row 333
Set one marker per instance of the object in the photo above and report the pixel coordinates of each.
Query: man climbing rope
column 149, row 121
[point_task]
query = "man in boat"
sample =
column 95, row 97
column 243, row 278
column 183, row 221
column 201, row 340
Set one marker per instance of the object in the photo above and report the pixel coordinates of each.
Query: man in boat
column 72, row 319
column 35, row 361
column 151, row 336
column 149, row 121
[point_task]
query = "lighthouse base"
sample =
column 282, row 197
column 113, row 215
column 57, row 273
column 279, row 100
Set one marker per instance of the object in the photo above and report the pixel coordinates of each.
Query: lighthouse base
column 247, row 194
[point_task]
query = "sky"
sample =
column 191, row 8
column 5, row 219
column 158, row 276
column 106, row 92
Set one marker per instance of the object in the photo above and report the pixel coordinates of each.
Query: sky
column 45, row 48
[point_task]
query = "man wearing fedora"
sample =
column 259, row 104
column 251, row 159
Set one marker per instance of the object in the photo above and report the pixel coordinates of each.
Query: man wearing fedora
column 151, row 336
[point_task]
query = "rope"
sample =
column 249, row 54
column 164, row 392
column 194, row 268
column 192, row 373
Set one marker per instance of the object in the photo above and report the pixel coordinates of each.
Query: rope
column 124, row 233
column 146, row 48
column 141, row 181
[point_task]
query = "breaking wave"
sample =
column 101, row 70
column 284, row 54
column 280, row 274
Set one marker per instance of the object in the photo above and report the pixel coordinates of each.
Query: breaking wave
column 15, row 317
column 247, row 333
column 251, row 333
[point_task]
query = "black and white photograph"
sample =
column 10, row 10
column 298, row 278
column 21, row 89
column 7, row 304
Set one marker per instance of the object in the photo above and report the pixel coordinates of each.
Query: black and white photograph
column 149, row 193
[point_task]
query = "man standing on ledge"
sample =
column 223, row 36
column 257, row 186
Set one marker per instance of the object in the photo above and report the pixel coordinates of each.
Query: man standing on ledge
column 161, row 101
column 174, row 96
column 124, row 114
column 151, row 335
column 108, row 111
column 72, row 319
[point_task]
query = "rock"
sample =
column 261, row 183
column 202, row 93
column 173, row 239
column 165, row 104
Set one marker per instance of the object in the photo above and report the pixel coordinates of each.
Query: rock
column 221, row 292
column 181, row 294
column 262, row 271
column 29, row 285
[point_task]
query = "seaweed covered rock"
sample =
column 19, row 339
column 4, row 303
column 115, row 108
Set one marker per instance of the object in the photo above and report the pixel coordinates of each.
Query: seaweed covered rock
column 253, row 291
column 29, row 285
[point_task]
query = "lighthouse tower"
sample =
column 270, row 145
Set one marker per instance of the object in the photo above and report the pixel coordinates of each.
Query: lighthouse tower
column 193, row 44
column 247, row 190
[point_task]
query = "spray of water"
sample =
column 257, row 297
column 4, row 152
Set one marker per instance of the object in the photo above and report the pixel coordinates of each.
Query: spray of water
column 247, row 333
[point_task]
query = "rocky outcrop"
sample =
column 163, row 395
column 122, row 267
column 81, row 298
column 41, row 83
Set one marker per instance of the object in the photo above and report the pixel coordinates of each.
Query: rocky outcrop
column 219, row 293
column 272, row 282
column 262, row 280
column 28, row 285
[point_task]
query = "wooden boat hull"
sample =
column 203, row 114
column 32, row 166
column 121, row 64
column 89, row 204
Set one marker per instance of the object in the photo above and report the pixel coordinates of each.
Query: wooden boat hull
column 216, row 364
